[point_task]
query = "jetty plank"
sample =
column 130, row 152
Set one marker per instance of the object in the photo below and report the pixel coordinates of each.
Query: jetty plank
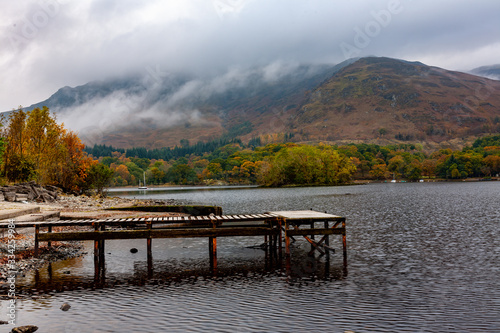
column 306, row 232
column 155, row 233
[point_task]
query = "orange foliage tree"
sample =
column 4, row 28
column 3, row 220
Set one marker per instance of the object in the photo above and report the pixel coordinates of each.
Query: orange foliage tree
column 37, row 148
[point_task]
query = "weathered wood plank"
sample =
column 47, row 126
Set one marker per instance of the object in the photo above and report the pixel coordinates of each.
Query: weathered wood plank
column 307, row 232
column 156, row 233
column 305, row 215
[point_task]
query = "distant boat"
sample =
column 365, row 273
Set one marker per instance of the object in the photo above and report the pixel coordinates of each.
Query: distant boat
column 144, row 187
column 393, row 178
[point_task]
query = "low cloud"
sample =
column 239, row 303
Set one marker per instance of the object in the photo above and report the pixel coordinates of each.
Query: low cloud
column 47, row 44
column 158, row 101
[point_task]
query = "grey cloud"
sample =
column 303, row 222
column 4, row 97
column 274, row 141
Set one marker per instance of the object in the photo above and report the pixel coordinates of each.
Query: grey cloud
column 90, row 40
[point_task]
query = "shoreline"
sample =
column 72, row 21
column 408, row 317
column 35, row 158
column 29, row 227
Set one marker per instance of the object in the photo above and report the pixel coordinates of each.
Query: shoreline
column 70, row 207
column 354, row 182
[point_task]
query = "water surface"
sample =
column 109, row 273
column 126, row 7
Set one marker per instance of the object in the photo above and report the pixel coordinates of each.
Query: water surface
column 422, row 257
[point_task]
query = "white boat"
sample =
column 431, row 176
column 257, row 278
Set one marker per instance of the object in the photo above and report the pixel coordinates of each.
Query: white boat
column 393, row 178
column 144, row 187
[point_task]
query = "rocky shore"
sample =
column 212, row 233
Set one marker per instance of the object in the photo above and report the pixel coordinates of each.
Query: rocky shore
column 71, row 207
column 24, row 260
column 29, row 191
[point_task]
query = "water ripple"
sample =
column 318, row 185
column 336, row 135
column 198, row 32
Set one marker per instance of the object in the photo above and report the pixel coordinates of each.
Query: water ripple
column 422, row 258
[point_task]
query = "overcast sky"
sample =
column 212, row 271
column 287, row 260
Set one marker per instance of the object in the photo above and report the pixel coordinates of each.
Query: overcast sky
column 48, row 44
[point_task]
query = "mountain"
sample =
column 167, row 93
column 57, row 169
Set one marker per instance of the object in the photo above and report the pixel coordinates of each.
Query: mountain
column 368, row 99
column 160, row 109
column 491, row 72
column 398, row 99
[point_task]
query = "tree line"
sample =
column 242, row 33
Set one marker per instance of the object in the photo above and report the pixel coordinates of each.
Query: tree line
column 33, row 146
column 281, row 164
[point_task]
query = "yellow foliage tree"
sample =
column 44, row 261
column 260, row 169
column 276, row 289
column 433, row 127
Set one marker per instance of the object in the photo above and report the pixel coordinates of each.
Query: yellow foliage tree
column 38, row 148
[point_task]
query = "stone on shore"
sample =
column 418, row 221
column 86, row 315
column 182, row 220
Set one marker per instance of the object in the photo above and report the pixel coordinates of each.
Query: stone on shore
column 25, row 329
column 29, row 191
column 65, row 307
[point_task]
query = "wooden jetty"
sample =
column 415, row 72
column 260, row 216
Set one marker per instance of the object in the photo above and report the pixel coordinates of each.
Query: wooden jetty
column 274, row 226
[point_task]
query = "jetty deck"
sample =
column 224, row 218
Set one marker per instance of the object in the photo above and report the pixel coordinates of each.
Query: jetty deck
column 275, row 226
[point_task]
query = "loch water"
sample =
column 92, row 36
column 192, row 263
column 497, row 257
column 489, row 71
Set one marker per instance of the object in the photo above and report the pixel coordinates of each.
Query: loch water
column 422, row 257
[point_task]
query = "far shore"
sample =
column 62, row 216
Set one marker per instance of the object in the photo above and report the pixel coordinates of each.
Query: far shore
column 354, row 182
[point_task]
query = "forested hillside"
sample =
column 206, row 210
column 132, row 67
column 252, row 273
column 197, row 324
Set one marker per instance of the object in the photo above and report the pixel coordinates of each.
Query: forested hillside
column 280, row 164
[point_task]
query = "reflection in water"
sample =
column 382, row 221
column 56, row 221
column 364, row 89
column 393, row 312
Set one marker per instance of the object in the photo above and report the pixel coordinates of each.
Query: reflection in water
column 56, row 277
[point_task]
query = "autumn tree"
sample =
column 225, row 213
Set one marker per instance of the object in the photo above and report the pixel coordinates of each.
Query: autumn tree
column 379, row 171
column 307, row 165
column 17, row 165
column 43, row 140
column 39, row 148
column 98, row 177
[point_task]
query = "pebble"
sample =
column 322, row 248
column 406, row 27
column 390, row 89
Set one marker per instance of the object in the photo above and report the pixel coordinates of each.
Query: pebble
column 65, row 307
column 70, row 250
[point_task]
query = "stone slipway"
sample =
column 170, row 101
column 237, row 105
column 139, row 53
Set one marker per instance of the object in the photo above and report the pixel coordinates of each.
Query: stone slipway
column 15, row 212
column 26, row 212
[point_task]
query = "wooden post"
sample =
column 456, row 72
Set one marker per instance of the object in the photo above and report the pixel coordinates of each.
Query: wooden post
column 327, row 242
column 280, row 246
column 312, row 238
column 287, row 240
column 37, row 231
column 212, row 245
column 101, row 247
column 344, row 243
column 150, row 251
column 96, row 255
column 49, row 229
